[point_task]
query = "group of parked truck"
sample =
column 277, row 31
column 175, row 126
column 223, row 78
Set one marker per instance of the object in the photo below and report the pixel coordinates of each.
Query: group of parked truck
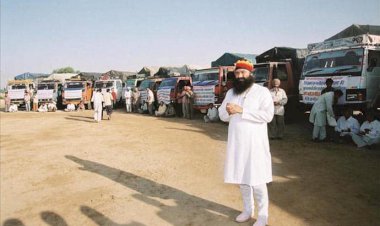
column 352, row 62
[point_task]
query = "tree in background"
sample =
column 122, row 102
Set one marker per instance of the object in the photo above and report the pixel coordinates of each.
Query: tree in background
column 65, row 70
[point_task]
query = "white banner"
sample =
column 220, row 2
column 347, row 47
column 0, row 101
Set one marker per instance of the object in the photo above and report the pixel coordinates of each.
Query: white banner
column 45, row 94
column 16, row 93
column 204, row 95
column 143, row 96
column 313, row 86
column 73, row 94
column 163, row 95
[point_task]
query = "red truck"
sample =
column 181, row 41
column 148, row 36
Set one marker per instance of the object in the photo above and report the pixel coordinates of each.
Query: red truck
column 211, row 85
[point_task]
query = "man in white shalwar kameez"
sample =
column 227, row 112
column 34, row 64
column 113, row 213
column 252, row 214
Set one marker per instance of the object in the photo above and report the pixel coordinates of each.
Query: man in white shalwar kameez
column 248, row 108
column 98, row 100
column 322, row 109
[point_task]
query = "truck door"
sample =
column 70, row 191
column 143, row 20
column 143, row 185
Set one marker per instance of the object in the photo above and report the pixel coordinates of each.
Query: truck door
column 373, row 74
column 280, row 71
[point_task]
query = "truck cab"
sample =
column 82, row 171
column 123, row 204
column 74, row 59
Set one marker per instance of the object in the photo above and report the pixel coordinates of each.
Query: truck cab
column 352, row 63
column 170, row 90
column 16, row 90
column 47, row 91
column 152, row 84
column 77, row 90
column 116, row 84
column 211, row 85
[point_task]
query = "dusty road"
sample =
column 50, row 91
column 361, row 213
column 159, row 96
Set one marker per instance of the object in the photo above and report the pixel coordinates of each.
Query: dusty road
column 63, row 169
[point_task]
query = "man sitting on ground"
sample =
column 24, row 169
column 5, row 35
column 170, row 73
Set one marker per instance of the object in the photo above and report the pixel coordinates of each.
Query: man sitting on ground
column 70, row 107
column 346, row 126
column 161, row 109
column 212, row 114
column 369, row 132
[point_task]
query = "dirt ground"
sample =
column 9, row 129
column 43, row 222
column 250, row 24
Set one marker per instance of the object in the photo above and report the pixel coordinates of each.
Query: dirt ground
column 63, row 169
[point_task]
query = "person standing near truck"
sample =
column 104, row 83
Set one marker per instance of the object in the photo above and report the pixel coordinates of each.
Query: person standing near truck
column 150, row 101
column 27, row 100
column 248, row 108
column 128, row 100
column 277, row 125
column 35, row 102
column 322, row 109
column 108, row 100
column 98, row 100
column 329, row 88
column 114, row 97
column 135, row 99
column 7, row 100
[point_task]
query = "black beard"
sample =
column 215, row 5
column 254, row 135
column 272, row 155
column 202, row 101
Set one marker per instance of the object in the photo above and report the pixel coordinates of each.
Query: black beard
column 242, row 84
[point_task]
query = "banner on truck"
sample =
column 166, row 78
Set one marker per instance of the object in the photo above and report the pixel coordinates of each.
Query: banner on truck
column 143, row 96
column 73, row 94
column 164, row 95
column 313, row 86
column 16, row 94
column 45, row 94
column 204, row 95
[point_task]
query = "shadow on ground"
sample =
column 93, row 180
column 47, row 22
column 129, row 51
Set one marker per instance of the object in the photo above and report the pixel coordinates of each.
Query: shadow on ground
column 188, row 209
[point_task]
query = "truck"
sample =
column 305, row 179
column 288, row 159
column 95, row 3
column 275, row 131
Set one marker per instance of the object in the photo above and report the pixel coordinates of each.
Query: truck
column 16, row 90
column 170, row 90
column 111, row 83
column 210, row 85
column 47, row 91
column 152, row 83
column 286, row 64
column 134, row 82
column 354, row 65
column 76, row 90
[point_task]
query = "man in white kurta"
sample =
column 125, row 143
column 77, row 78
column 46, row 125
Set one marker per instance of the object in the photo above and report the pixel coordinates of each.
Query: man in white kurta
column 322, row 109
column 128, row 99
column 277, row 125
column 98, row 100
column 248, row 160
column 369, row 132
column 346, row 126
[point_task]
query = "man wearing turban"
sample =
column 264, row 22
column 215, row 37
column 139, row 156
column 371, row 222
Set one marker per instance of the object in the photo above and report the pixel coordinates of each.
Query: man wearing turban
column 248, row 108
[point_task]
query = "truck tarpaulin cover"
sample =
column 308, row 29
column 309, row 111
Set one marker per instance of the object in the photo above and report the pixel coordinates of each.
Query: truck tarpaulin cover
column 29, row 75
column 281, row 53
column 355, row 30
column 229, row 59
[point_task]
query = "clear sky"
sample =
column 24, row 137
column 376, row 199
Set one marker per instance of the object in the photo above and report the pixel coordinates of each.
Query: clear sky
column 98, row 35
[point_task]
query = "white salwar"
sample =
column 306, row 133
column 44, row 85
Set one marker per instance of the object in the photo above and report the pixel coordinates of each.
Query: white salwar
column 248, row 160
column 98, row 100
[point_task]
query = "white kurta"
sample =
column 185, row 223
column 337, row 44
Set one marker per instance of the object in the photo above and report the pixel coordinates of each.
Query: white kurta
column 323, row 105
column 98, row 99
column 248, row 159
column 344, row 124
column 279, row 95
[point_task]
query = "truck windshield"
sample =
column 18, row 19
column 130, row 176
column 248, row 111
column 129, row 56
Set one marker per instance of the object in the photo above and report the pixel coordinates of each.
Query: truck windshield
column 205, row 76
column 168, row 82
column 103, row 84
column 74, row 85
column 19, row 86
column 43, row 86
column 334, row 62
column 261, row 73
column 145, row 84
column 131, row 82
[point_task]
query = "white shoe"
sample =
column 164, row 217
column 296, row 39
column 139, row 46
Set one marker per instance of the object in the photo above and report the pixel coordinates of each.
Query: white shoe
column 243, row 217
column 261, row 221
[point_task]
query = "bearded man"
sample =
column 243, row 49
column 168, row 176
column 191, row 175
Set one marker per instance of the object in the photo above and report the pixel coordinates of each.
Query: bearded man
column 248, row 108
